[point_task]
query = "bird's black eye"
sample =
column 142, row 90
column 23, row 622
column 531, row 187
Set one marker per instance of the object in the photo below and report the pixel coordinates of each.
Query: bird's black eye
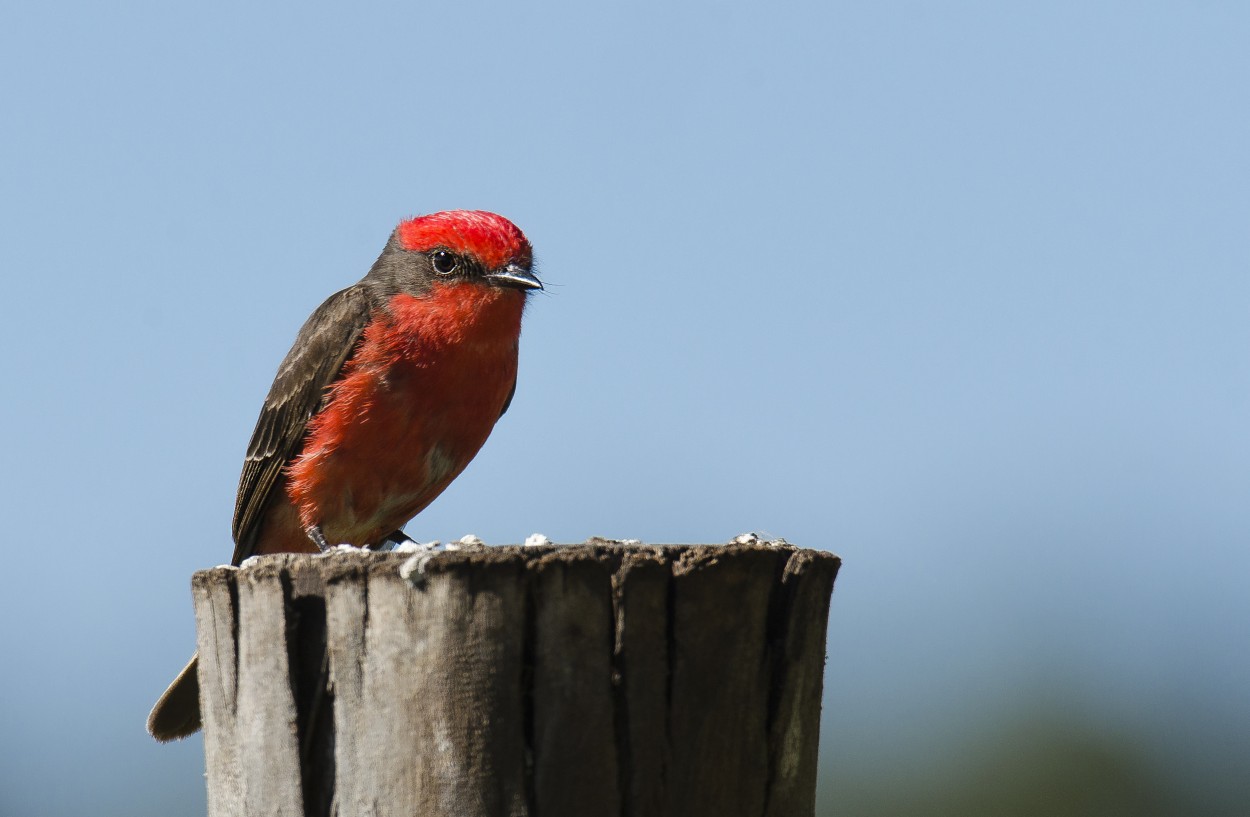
column 444, row 262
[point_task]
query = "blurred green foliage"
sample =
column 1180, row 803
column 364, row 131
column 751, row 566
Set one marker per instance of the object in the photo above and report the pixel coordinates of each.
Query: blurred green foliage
column 1036, row 766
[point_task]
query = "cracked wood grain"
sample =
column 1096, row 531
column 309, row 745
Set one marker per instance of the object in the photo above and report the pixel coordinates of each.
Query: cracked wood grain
column 265, row 729
column 217, row 641
column 575, row 763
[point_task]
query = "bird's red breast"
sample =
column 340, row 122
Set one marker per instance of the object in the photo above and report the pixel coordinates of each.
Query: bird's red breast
column 412, row 409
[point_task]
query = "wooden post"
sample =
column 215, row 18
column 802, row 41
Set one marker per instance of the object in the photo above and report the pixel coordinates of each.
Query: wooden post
column 578, row 681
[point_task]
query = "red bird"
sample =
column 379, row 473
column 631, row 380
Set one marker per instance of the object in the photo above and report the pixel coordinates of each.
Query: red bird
column 392, row 386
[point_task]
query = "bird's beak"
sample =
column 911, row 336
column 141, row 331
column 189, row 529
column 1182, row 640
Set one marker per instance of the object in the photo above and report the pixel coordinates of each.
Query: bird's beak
column 515, row 276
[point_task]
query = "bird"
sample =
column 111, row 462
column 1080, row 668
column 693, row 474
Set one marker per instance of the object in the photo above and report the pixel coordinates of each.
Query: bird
column 390, row 389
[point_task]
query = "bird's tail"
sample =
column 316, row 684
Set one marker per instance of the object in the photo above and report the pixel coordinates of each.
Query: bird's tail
column 177, row 713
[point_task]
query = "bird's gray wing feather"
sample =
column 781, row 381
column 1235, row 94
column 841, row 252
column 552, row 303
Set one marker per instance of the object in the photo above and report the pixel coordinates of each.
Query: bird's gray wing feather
column 315, row 361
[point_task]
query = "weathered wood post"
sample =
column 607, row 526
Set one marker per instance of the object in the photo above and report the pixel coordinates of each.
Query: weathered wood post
column 578, row 681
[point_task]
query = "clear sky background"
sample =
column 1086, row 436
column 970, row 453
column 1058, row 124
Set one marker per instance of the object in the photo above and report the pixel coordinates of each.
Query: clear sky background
column 959, row 291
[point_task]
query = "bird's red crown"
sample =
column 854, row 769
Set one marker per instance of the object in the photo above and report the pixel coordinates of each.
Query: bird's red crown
column 490, row 238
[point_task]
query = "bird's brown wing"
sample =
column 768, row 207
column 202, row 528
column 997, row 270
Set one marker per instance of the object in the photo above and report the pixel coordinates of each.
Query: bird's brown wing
column 322, row 347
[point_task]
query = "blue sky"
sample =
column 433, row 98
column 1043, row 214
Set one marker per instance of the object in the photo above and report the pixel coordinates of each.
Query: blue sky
column 959, row 292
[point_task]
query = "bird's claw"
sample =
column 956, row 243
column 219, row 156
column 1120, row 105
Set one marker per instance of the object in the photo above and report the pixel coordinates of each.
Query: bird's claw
column 318, row 538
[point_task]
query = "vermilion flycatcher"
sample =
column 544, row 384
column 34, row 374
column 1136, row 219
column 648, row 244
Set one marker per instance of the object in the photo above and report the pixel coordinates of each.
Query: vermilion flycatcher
column 392, row 386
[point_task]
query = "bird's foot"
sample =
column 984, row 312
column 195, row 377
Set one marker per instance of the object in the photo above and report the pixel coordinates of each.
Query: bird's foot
column 318, row 538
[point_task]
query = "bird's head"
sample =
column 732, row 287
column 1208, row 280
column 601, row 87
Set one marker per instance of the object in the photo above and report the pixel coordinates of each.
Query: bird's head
column 457, row 246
